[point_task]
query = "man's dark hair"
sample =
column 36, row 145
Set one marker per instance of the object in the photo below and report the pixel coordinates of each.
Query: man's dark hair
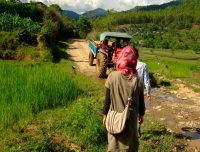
column 136, row 50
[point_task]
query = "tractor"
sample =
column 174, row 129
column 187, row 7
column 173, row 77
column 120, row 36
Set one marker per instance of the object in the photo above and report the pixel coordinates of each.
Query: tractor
column 106, row 51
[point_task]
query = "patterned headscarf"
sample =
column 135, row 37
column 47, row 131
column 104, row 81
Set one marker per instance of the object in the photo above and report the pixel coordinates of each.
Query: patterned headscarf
column 127, row 61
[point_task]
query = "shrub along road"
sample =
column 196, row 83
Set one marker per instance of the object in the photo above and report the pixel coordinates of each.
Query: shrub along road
column 178, row 110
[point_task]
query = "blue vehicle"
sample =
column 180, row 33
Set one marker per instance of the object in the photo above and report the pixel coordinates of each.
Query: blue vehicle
column 107, row 51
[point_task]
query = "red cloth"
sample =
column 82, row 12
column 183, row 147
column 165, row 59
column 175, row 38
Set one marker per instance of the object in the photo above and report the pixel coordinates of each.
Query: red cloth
column 127, row 61
column 115, row 56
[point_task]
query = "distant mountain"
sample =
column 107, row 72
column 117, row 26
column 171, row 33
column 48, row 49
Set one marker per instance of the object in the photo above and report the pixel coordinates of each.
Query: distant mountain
column 72, row 14
column 157, row 7
column 97, row 12
column 101, row 12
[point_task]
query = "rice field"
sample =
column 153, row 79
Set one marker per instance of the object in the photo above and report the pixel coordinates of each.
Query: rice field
column 27, row 89
column 172, row 64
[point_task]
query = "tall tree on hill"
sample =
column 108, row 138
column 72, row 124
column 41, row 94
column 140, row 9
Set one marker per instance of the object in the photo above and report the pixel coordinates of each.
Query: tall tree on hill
column 83, row 26
column 56, row 7
column 110, row 11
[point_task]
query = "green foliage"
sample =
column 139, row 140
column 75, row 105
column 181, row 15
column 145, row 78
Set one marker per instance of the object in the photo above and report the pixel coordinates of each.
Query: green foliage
column 77, row 126
column 8, row 36
column 93, row 35
column 59, row 51
column 149, row 43
column 28, row 89
column 56, row 6
column 49, row 29
column 10, row 22
column 196, row 48
column 24, row 11
column 165, row 44
column 87, row 123
column 56, row 25
column 155, row 136
column 172, row 64
column 157, row 28
column 49, row 22
column 52, row 24
column 83, row 26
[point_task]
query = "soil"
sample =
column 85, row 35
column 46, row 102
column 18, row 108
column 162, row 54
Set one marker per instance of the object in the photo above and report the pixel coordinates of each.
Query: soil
column 178, row 110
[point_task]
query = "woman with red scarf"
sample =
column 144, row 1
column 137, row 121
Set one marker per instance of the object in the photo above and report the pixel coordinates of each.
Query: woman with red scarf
column 118, row 86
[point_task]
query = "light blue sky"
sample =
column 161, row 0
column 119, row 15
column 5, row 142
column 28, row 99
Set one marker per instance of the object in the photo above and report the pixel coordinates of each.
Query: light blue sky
column 81, row 6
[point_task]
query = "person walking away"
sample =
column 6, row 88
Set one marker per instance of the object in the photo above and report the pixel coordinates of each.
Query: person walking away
column 142, row 70
column 118, row 86
column 144, row 74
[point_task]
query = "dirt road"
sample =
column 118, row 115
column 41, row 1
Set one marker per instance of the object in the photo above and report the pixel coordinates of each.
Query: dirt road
column 178, row 110
column 79, row 52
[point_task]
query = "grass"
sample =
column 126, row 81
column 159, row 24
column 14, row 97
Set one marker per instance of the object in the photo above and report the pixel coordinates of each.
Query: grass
column 7, row 36
column 76, row 126
column 182, row 65
column 155, row 136
column 49, row 82
column 27, row 89
column 67, row 111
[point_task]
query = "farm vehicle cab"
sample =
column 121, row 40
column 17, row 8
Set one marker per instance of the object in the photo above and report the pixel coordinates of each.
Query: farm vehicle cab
column 107, row 51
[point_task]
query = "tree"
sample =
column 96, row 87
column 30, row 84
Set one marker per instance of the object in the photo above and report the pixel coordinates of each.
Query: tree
column 56, row 7
column 196, row 48
column 165, row 44
column 110, row 11
column 91, row 15
column 83, row 26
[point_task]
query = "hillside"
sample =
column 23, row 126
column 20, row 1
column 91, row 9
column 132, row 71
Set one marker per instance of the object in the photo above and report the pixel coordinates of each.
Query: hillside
column 159, row 29
column 93, row 13
column 71, row 14
column 30, row 32
column 156, row 7
column 101, row 12
column 97, row 12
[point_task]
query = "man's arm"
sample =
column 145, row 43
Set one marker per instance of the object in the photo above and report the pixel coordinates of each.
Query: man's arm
column 141, row 108
column 147, row 83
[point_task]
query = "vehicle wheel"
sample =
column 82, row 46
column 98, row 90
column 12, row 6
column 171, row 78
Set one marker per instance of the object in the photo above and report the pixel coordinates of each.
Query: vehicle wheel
column 91, row 58
column 101, row 65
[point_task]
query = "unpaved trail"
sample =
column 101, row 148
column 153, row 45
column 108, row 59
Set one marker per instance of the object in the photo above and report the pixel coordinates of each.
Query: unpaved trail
column 178, row 110
column 78, row 52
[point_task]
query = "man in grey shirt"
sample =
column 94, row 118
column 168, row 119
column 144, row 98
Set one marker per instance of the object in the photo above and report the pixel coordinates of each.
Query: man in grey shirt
column 144, row 74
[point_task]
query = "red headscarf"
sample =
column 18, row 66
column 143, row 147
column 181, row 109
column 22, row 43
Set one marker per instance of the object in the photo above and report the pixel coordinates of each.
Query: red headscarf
column 127, row 61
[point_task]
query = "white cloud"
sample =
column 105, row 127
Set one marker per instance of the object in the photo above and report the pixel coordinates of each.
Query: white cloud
column 81, row 6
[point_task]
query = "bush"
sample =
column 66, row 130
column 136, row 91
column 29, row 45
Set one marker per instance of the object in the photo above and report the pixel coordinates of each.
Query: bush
column 165, row 44
column 9, row 22
column 196, row 48
column 25, row 11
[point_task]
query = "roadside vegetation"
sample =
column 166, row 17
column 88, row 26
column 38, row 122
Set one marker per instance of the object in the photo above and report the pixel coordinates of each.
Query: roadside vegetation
column 27, row 89
column 30, row 31
column 170, row 67
column 51, row 107
column 46, row 105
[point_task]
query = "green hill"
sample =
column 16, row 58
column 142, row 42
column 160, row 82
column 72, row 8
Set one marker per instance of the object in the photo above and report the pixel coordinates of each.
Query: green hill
column 157, row 7
column 29, row 31
column 169, row 28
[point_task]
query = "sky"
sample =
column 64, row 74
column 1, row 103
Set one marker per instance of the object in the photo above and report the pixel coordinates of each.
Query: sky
column 82, row 6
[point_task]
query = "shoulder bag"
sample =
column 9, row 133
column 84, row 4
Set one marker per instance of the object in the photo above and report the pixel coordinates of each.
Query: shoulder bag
column 116, row 121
